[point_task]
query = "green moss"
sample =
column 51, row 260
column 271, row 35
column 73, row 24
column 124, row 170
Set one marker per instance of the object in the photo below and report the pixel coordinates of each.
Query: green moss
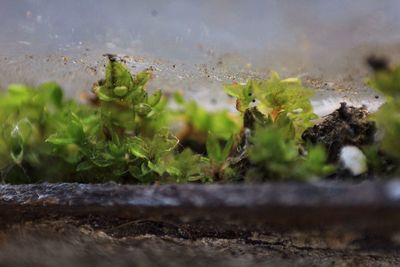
column 131, row 136
column 281, row 159
column 277, row 100
column 386, row 154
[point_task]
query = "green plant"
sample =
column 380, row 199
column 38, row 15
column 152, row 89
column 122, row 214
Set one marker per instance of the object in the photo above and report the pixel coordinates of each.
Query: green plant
column 132, row 136
column 276, row 98
column 188, row 167
column 218, row 153
column 27, row 117
column 125, row 139
column 281, row 112
column 387, row 117
column 211, row 133
column 200, row 122
column 275, row 156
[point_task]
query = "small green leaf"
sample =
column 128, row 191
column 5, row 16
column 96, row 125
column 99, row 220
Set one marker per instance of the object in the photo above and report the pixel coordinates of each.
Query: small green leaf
column 213, row 148
column 117, row 74
column 145, row 168
column 156, row 167
column 120, row 90
column 17, row 155
column 243, row 93
column 228, row 147
column 102, row 96
column 155, row 98
column 141, row 79
column 234, row 90
column 195, row 178
column 52, row 93
column 23, row 129
column 292, row 80
column 143, row 109
column 19, row 90
column 17, row 147
column 179, row 99
column 173, row 171
column 101, row 162
column 137, row 147
column 56, row 140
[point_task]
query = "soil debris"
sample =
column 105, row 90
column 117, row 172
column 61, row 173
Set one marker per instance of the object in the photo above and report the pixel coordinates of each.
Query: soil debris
column 377, row 63
column 347, row 125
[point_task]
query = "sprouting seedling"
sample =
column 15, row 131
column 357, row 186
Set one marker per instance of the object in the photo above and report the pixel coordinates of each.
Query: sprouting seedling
column 125, row 136
column 276, row 98
column 123, row 97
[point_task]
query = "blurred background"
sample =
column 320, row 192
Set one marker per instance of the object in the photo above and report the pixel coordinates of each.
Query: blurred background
column 196, row 46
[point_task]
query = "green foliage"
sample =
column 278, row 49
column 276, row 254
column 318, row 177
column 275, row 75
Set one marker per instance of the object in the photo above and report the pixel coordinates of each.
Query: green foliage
column 130, row 136
column 276, row 98
column 243, row 93
column 388, row 116
column 188, row 167
column 274, row 156
column 387, row 82
column 125, row 139
column 124, row 100
column 221, row 124
column 218, row 154
column 278, row 111
column 27, row 117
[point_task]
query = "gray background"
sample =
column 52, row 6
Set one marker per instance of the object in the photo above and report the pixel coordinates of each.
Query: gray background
column 197, row 45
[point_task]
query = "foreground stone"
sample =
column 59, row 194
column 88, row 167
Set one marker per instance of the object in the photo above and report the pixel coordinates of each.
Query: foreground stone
column 324, row 224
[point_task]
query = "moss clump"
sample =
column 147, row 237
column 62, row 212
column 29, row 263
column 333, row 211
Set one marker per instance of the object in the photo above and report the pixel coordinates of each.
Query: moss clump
column 384, row 156
column 130, row 136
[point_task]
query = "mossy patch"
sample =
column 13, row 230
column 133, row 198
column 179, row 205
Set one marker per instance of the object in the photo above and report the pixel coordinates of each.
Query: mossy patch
column 128, row 135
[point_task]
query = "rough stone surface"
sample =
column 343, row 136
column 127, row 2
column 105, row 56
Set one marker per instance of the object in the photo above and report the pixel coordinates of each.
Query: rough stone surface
column 363, row 205
column 60, row 243
column 324, row 224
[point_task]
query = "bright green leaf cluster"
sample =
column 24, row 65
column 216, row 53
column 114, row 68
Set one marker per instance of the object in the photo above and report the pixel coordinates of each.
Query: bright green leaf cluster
column 281, row 112
column 276, row 98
